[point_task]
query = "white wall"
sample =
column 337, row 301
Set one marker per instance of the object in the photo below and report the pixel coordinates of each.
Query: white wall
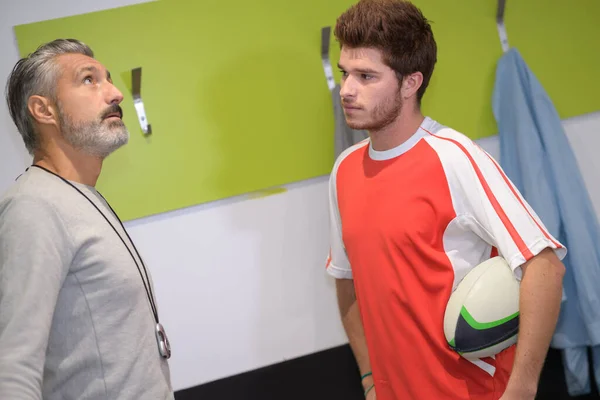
column 240, row 283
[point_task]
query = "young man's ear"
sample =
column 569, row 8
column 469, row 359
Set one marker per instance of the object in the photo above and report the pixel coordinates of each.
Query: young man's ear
column 42, row 110
column 411, row 84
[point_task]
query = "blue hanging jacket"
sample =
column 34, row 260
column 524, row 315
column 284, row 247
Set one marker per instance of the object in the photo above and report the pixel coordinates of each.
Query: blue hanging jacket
column 536, row 155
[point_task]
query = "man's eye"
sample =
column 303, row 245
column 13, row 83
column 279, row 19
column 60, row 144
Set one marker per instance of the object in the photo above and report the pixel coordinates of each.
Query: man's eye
column 88, row 80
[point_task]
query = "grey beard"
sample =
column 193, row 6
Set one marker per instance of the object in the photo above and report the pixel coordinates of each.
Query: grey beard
column 98, row 139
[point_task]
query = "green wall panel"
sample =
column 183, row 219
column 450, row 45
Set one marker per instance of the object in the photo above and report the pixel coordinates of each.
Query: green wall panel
column 238, row 102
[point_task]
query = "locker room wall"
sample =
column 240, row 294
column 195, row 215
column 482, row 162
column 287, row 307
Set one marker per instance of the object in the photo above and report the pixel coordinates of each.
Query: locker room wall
column 240, row 283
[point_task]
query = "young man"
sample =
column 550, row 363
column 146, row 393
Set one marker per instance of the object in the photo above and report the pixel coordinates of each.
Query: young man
column 413, row 209
column 78, row 318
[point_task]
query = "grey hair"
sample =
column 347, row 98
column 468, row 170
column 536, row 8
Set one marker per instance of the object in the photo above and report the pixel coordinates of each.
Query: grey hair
column 33, row 75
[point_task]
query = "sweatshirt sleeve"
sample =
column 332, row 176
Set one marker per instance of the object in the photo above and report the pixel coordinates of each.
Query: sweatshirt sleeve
column 35, row 255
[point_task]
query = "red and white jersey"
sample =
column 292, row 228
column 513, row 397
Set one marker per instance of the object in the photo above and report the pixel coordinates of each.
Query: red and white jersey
column 407, row 224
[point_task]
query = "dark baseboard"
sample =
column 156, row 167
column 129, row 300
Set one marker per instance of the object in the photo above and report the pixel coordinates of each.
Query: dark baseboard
column 331, row 375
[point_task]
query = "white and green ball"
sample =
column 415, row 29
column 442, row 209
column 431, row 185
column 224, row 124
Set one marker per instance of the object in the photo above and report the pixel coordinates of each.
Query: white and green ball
column 482, row 314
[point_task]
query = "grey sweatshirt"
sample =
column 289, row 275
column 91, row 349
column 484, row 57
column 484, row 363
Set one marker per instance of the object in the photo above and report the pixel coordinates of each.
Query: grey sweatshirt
column 75, row 319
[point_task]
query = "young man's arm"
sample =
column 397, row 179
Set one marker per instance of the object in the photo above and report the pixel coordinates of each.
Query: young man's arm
column 495, row 210
column 540, row 297
column 353, row 326
column 338, row 266
column 33, row 264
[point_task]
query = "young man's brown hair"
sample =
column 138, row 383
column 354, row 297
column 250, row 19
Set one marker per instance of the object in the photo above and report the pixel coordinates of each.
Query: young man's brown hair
column 395, row 27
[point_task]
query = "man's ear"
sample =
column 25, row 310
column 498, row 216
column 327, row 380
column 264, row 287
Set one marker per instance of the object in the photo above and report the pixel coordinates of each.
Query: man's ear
column 411, row 84
column 42, row 110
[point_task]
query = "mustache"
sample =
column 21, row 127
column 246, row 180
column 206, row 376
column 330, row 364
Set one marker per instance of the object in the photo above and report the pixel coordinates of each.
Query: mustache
column 349, row 101
column 350, row 104
column 113, row 109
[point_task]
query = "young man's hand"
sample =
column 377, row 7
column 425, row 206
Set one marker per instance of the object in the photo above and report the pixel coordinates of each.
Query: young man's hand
column 368, row 387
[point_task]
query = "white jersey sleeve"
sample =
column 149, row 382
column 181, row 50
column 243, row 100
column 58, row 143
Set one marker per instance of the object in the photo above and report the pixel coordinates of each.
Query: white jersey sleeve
column 337, row 263
column 490, row 205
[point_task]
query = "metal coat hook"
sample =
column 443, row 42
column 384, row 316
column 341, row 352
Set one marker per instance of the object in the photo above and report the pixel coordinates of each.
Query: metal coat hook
column 500, row 25
column 136, row 89
column 325, row 34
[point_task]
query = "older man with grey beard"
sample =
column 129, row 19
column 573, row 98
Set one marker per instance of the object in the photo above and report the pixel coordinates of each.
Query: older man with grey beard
column 78, row 317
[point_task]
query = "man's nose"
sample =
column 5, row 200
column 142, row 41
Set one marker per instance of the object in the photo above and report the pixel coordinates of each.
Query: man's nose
column 114, row 95
column 348, row 88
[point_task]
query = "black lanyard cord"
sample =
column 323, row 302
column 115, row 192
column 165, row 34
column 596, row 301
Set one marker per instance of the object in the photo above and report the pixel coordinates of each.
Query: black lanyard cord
column 148, row 287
